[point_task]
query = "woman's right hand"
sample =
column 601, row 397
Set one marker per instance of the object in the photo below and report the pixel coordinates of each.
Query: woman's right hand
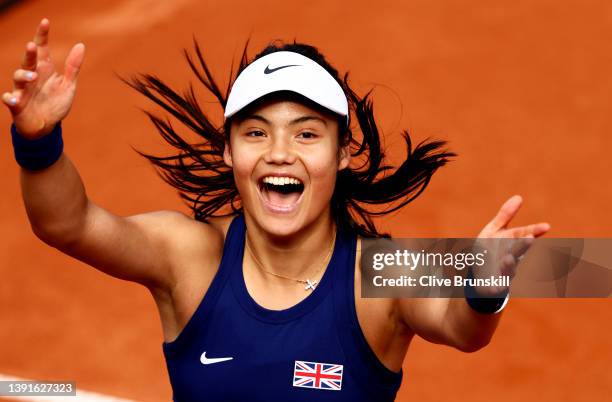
column 41, row 96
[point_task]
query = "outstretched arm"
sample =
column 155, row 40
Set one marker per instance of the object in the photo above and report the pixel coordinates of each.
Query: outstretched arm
column 451, row 321
column 54, row 197
column 137, row 248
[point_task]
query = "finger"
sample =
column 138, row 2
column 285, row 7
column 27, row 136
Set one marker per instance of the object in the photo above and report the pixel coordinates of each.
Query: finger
column 505, row 214
column 540, row 229
column 11, row 99
column 74, row 62
column 534, row 230
column 41, row 38
column 29, row 58
column 23, row 77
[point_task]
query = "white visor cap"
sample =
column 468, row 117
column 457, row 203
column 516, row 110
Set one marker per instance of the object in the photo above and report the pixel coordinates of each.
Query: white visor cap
column 286, row 71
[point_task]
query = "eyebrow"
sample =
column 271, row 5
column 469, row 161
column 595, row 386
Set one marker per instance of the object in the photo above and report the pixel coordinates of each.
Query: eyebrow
column 293, row 122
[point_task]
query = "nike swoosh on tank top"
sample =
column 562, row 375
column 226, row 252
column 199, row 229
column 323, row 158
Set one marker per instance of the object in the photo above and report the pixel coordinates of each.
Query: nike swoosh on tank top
column 313, row 351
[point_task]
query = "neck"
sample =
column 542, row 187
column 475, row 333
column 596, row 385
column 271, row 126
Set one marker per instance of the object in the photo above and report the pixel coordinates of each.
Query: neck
column 301, row 255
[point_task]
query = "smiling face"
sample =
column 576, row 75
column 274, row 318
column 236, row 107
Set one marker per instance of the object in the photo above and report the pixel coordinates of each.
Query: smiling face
column 285, row 156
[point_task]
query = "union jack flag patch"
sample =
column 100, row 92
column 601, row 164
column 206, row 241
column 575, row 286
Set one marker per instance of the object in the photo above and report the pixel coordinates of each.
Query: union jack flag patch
column 317, row 375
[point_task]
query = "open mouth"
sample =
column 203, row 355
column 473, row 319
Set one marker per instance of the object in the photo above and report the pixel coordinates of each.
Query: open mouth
column 281, row 194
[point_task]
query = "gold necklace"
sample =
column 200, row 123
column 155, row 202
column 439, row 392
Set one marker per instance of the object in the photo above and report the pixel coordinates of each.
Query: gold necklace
column 310, row 284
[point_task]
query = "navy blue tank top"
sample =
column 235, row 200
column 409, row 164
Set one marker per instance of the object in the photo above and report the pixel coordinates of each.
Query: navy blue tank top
column 233, row 349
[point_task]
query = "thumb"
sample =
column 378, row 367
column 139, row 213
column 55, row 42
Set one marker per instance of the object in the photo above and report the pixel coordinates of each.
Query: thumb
column 505, row 214
column 74, row 62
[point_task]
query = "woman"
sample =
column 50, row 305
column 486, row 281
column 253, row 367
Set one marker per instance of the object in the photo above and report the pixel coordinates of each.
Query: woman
column 258, row 294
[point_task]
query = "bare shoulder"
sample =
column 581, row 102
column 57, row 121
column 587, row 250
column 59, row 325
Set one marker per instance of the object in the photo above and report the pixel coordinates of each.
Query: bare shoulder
column 189, row 232
column 380, row 323
column 193, row 242
column 377, row 312
column 195, row 252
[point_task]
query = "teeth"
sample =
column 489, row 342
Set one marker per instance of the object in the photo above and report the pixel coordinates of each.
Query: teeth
column 280, row 181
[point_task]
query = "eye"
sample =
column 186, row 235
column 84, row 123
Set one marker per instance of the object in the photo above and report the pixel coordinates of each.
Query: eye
column 307, row 135
column 255, row 133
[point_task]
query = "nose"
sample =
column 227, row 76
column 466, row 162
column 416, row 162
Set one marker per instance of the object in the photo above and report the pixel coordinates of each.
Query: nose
column 280, row 152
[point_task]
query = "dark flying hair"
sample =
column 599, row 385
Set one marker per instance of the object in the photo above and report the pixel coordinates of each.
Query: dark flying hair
column 207, row 184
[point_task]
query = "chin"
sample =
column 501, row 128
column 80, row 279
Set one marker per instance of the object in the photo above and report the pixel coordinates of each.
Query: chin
column 278, row 224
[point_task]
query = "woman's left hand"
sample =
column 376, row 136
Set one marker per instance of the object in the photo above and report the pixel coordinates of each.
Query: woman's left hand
column 520, row 239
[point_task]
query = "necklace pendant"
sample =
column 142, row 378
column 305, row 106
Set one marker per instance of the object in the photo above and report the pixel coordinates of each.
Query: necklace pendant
column 311, row 284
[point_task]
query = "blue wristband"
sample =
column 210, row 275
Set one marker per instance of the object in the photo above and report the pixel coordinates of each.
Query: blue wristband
column 39, row 153
column 482, row 304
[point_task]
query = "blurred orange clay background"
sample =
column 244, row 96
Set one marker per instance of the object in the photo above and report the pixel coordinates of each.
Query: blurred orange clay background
column 521, row 90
